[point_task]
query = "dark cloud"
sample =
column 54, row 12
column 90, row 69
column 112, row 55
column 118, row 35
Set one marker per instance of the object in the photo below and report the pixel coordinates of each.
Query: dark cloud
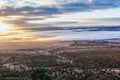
column 108, row 19
column 95, row 4
column 64, row 8
column 78, row 29
column 30, row 11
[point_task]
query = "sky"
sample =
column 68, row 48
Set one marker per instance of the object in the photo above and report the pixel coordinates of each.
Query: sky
column 25, row 20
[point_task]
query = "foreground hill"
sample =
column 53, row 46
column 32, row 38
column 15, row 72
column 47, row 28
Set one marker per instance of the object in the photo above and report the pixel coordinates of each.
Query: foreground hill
column 62, row 58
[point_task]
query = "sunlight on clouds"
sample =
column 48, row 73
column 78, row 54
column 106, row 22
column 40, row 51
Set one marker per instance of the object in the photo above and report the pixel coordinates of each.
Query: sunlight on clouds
column 106, row 13
column 22, row 3
column 34, row 3
column 2, row 3
column 4, row 27
column 43, row 2
column 22, row 20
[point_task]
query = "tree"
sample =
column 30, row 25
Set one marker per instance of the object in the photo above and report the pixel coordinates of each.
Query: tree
column 41, row 74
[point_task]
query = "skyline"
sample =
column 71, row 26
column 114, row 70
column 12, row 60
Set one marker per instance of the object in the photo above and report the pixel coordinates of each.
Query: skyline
column 22, row 20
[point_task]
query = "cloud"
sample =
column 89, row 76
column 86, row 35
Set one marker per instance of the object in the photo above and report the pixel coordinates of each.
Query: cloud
column 47, row 13
column 29, row 7
column 80, row 29
column 79, row 6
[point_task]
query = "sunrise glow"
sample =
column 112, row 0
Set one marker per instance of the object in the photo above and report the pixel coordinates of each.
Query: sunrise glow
column 4, row 27
column 36, row 20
